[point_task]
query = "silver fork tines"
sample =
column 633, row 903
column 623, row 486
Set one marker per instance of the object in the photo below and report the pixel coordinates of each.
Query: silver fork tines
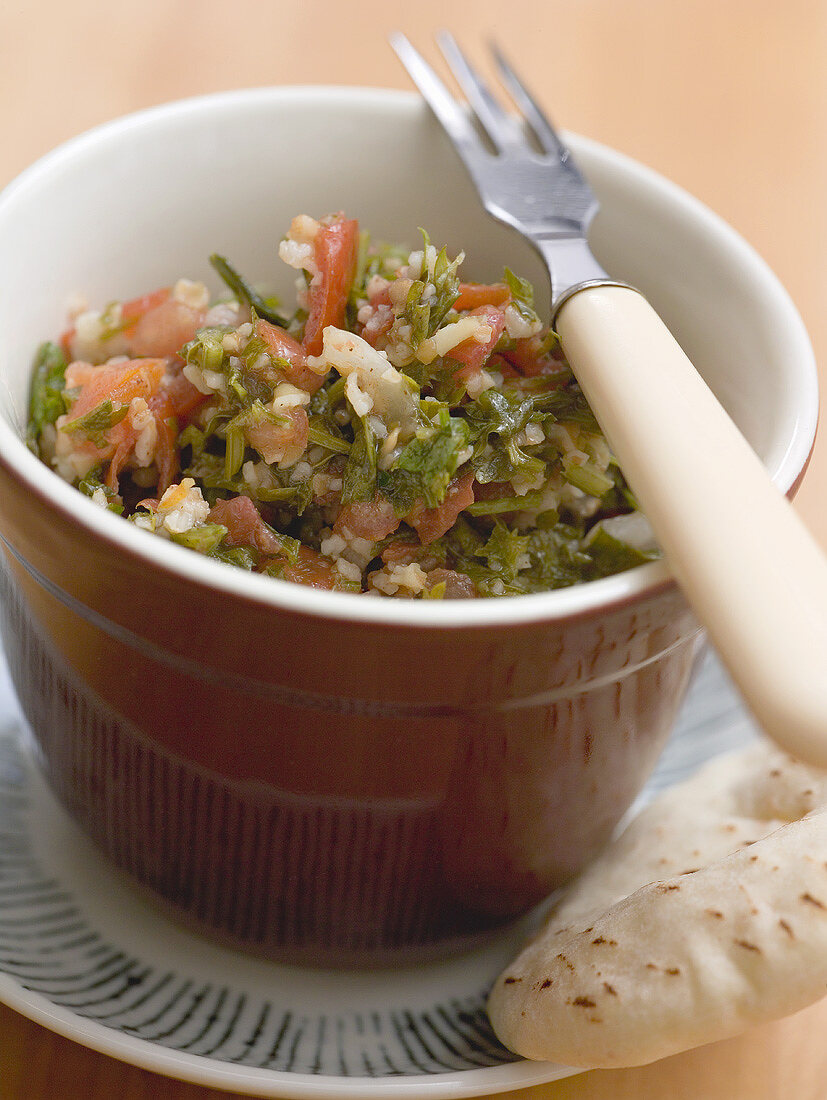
column 501, row 129
column 538, row 190
column 453, row 118
column 540, row 126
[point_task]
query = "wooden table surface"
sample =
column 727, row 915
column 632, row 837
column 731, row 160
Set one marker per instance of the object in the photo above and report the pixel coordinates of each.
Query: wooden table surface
column 727, row 97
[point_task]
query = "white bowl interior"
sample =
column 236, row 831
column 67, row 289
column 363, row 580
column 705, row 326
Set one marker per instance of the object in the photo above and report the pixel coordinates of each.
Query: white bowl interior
column 142, row 201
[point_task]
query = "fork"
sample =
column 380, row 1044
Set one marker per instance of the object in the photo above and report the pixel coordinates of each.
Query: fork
column 750, row 569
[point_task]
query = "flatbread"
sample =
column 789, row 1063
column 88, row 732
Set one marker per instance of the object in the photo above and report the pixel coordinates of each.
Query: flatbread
column 708, row 915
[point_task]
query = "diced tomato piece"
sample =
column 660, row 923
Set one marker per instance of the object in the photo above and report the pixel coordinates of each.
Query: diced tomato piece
column 165, row 328
column 280, row 442
column 382, row 317
column 402, row 551
column 473, row 355
column 311, row 569
column 458, row 586
column 245, row 527
column 367, row 519
column 281, row 345
column 169, row 404
column 65, row 342
column 336, row 248
column 121, row 442
column 184, row 398
column 530, row 360
column 119, row 383
column 474, row 295
column 380, row 294
column 244, row 524
column 133, row 310
column 166, row 424
column 432, row 523
column 378, row 325
column 78, row 373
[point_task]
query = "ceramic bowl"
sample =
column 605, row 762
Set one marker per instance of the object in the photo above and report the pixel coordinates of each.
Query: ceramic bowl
column 319, row 776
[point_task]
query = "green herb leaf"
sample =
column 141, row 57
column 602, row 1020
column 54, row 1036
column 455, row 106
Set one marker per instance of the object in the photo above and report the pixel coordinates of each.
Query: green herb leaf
column 204, row 539
column 97, row 422
column 254, row 373
column 528, row 503
column 426, row 465
column 503, row 412
column 243, row 557
column 496, row 417
column 569, row 404
column 463, row 540
column 322, row 434
column 505, row 551
column 426, row 313
column 192, row 437
column 464, row 548
column 289, row 546
column 435, row 593
column 611, row 555
column 557, row 558
column 206, row 350
column 113, row 322
column 587, row 477
column 522, row 296
column 208, row 470
column 90, row 484
column 506, row 460
column 254, row 414
column 46, row 397
column 245, row 292
column 302, row 496
column 234, row 454
column 417, row 313
column 359, row 478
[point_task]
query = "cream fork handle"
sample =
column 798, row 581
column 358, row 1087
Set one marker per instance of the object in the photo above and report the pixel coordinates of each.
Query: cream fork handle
column 752, row 572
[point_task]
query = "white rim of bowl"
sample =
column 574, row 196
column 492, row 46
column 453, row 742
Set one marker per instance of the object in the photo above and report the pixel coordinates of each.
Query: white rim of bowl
column 556, row 604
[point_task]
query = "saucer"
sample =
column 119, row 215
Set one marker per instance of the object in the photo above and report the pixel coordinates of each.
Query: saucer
column 84, row 953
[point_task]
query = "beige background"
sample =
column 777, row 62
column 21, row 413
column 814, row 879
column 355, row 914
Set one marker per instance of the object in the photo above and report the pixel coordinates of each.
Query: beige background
column 727, row 97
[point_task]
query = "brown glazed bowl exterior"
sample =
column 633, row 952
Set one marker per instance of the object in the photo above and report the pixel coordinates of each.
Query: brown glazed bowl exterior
column 222, row 760
column 326, row 778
